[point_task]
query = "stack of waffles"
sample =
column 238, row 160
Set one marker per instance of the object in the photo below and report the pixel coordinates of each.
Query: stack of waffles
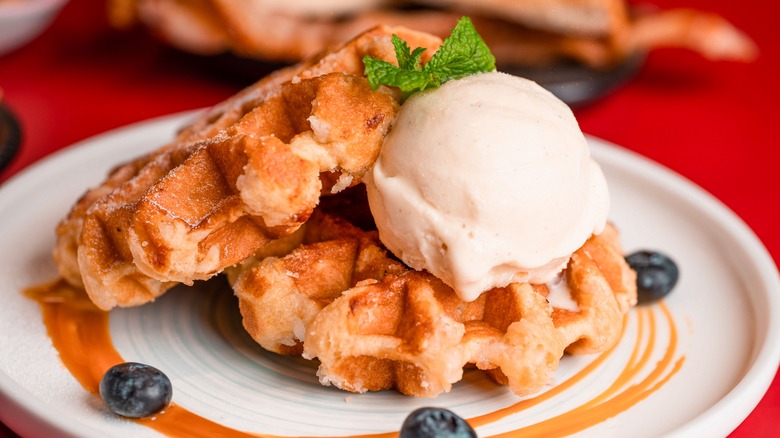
column 266, row 187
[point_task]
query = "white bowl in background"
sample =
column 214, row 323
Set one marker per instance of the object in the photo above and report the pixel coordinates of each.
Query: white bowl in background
column 23, row 20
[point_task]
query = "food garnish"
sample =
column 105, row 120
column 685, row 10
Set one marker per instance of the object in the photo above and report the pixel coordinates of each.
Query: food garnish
column 135, row 390
column 463, row 53
column 656, row 274
column 435, row 423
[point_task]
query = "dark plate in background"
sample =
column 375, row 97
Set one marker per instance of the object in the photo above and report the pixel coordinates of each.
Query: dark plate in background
column 578, row 85
column 10, row 136
column 573, row 83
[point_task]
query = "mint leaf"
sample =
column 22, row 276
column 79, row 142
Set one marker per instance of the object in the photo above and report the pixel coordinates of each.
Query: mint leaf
column 383, row 73
column 407, row 60
column 463, row 53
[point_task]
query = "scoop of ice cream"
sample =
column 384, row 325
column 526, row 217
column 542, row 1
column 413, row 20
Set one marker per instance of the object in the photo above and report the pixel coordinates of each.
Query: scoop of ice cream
column 486, row 181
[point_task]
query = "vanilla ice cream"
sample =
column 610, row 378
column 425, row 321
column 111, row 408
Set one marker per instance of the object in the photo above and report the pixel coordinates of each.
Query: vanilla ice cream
column 486, row 181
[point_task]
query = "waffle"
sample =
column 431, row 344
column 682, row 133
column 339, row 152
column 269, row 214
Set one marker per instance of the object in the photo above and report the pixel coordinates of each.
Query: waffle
column 374, row 324
column 245, row 173
column 597, row 33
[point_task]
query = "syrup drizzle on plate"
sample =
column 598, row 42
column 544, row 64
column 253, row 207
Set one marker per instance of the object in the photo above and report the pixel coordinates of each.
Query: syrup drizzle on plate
column 80, row 333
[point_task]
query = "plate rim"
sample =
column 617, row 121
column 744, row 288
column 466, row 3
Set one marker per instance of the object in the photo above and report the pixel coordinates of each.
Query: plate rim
column 765, row 357
column 20, row 407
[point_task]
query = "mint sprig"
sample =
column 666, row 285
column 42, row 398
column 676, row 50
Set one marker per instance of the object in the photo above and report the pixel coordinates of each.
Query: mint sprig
column 463, row 53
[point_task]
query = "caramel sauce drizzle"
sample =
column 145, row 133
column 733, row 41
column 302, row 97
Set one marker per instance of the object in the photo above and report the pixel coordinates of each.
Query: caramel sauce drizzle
column 80, row 333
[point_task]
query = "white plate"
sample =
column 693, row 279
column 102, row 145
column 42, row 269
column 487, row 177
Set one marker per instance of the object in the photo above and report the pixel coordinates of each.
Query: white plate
column 726, row 310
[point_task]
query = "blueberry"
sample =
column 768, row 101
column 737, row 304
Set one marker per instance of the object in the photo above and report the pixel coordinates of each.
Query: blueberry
column 435, row 422
column 135, row 390
column 656, row 274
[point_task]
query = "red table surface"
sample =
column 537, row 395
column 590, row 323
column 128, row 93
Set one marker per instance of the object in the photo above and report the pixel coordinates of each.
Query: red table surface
column 713, row 122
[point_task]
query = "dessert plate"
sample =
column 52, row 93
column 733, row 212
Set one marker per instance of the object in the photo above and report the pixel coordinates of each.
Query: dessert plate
column 694, row 365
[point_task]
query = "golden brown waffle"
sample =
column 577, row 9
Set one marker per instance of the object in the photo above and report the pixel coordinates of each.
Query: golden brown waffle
column 374, row 324
column 598, row 33
column 246, row 172
column 279, row 296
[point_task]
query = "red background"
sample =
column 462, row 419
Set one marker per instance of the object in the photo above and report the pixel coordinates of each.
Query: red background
column 713, row 122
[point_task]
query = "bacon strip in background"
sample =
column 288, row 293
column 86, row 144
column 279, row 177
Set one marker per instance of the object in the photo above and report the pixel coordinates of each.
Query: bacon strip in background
column 595, row 33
